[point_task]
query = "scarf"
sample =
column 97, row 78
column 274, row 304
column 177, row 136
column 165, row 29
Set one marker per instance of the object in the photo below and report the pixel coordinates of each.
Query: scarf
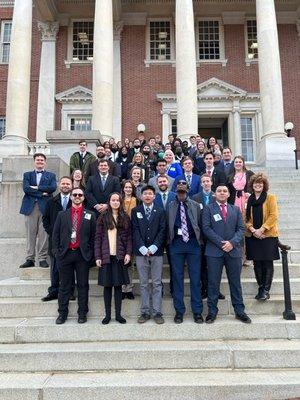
column 257, row 209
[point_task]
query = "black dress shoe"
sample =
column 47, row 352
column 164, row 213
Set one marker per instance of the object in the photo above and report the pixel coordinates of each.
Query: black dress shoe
column 210, row 318
column 178, row 319
column 120, row 319
column 221, row 296
column 82, row 319
column 264, row 295
column 44, row 264
column 130, row 296
column 50, row 297
column 72, row 297
column 106, row 320
column 61, row 319
column 27, row 264
column 243, row 317
column 198, row 318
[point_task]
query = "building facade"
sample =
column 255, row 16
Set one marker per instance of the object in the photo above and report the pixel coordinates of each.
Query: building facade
column 223, row 68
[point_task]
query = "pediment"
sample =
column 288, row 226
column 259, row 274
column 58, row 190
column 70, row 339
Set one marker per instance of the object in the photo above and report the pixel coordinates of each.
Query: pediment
column 216, row 89
column 77, row 94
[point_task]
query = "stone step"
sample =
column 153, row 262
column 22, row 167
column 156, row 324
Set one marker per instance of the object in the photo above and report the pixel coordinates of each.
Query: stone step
column 226, row 327
column 153, row 385
column 21, row 307
column 13, row 287
column 140, row 355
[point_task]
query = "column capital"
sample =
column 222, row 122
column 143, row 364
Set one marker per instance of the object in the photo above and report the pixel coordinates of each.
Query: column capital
column 48, row 30
column 118, row 28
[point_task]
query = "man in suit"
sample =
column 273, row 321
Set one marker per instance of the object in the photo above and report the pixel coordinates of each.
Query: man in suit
column 38, row 186
column 224, row 229
column 73, row 246
column 218, row 177
column 136, row 148
column 192, row 180
column 81, row 159
column 92, row 168
column 161, row 169
column 193, row 146
column 163, row 197
column 185, row 239
column 60, row 202
column 149, row 233
column 226, row 164
column 100, row 186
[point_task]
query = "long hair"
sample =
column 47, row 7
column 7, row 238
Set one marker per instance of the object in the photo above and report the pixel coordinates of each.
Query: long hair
column 107, row 217
column 132, row 185
column 231, row 176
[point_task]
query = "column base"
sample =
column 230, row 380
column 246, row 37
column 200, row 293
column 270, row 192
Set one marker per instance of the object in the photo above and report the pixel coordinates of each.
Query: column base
column 276, row 150
column 13, row 146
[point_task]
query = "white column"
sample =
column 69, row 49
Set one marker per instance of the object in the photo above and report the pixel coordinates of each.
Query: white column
column 117, row 84
column 231, row 135
column 186, row 78
column 237, row 129
column 166, row 125
column 18, row 85
column 103, row 68
column 46, row 99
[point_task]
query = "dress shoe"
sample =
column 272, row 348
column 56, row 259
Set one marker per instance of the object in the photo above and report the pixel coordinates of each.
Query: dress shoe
column 120, row 319
column 198, row 318
column 106, row 320
column 158, row 319
column 259, row 293
column 50, row 297
column 143, row 318
column 44, row 264
column 243, row 317
column 130, row 296
column 210, row 318
column 264, row 295
column 72, row 297
column 27, row 264
column 178, row 319
column 82, row 319
column 221, row 296
column 61, row 319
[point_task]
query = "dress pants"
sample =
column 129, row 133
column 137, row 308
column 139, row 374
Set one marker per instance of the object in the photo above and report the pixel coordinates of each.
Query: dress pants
column 153, row 266
column 54, row 277
column 73, row 261
column 37, row 238
column 190, row 253
column 233, row 271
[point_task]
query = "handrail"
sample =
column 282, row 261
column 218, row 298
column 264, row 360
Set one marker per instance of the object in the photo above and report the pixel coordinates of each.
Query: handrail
column 288, row 313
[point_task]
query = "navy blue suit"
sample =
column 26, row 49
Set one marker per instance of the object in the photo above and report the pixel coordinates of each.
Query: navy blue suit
column 217, row 230
column 195, row 185
column 32, row 196
column 158, row 202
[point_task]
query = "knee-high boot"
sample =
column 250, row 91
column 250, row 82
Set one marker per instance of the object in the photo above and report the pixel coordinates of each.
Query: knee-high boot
column 259, row 275
column 268, row 279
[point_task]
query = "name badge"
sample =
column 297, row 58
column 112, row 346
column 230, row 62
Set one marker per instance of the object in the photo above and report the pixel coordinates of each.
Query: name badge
column 73, row 235
column 217, row 217
column 179, row 232
column 87, row 216
column 201, row 206
column 139, row 215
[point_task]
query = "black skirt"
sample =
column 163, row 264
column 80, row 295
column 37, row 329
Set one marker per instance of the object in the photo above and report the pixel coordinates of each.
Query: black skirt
column 113, row 274
column 262, row 249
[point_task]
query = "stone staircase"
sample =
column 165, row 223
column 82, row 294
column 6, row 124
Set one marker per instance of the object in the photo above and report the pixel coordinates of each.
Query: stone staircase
column 226, row 360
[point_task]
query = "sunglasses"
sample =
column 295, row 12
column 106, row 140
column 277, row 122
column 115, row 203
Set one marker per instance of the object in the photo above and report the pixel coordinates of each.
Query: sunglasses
column 77, row 194
column 182, row 183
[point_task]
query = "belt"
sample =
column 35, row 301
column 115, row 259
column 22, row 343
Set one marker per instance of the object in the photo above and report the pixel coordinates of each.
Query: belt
column 77, row 248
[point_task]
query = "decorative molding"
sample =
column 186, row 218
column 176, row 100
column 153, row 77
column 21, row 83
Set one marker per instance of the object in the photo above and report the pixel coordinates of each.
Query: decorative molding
column 135, row 18
column 233, row 17
column 48, row 30
column 223, row 62
column 118, row 28
column 6, row 3
column 77, row 94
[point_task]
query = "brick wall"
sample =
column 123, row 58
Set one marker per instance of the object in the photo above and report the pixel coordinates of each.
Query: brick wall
column 5, row 13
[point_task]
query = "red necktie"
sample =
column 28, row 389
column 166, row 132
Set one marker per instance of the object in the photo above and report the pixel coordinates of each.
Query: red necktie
column 224, row 212
column 208, row 172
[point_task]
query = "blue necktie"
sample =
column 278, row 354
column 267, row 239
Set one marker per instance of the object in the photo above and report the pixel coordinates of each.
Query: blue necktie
column 65, row 203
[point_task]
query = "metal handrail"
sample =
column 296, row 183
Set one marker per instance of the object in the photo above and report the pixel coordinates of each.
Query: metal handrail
column 288, row 313
column 296, row 158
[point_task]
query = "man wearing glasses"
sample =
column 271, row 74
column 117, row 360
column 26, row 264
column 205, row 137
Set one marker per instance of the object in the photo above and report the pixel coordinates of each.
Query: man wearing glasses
column 73, row 245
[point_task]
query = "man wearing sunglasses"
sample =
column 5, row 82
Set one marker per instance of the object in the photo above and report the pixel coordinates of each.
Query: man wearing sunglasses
column 73, row 245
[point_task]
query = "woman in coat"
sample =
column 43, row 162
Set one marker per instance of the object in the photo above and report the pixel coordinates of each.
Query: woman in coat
column 262, row 233
column 113, row 248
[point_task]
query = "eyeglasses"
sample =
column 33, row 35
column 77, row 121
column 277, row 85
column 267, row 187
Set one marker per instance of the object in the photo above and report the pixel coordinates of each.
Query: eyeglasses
column 182, row 183
column 77, row 194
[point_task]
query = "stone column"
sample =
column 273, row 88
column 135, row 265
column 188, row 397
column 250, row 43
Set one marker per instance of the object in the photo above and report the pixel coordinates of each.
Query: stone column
column 237, row 129
column 166, row 125
column 18, row 85
column 103, row 68
column 47, row 81
column 274, row 145
column 117, row 108
column 186, row 78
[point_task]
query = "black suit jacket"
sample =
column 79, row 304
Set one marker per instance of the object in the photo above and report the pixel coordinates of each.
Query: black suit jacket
column 96, row 194
column 62, row 231
column 218, row 178
column 114, row 169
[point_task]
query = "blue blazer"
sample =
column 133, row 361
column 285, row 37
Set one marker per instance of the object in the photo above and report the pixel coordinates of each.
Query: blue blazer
column 174, row 170
column 217, row 231
column 159, row 203
column 32, row 196
column 195, row 184
column 199, row 198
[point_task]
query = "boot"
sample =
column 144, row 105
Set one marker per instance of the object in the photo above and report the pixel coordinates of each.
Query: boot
column 259, row 275
column 118, row 304
column 268, row 278
column 107, row 292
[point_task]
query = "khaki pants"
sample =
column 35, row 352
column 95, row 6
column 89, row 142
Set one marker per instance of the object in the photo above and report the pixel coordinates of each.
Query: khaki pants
column 37, row 238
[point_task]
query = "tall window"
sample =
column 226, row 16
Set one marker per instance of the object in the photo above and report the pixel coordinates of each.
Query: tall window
column 5, row 40
column 2, row 126
column 247, row 138
column 160, row 40
column 174, row 125
column 252, row 48
column 83, row 40
column 81, row 123
column 209, row 40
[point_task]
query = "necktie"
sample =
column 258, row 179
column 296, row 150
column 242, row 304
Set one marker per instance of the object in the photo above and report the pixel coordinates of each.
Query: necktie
column 223, row 212
column 81, row 160
column 164, row 196
column 208, row 172
column 103, row 180
column 184, row 227
column 148, row 213
column 65, row 203
column 74, row 227
column 188, row 179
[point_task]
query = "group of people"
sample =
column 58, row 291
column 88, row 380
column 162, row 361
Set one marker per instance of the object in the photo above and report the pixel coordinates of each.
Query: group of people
column 130, row 204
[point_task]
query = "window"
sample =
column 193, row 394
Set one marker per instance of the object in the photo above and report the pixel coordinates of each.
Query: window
column 209, row 40
column 247, row 138
column 5, row 40
column 2, row 127
column 251, row 37
column 83, row 40
column 174, row 125
column 160, row 40
column 81, row 123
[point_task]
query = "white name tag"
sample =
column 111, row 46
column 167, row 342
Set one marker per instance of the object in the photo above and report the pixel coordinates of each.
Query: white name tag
column 139, row 215
column 87, row 216
column 179, row 232
column 201, row 206
column 217, row 217
column 73, row 235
